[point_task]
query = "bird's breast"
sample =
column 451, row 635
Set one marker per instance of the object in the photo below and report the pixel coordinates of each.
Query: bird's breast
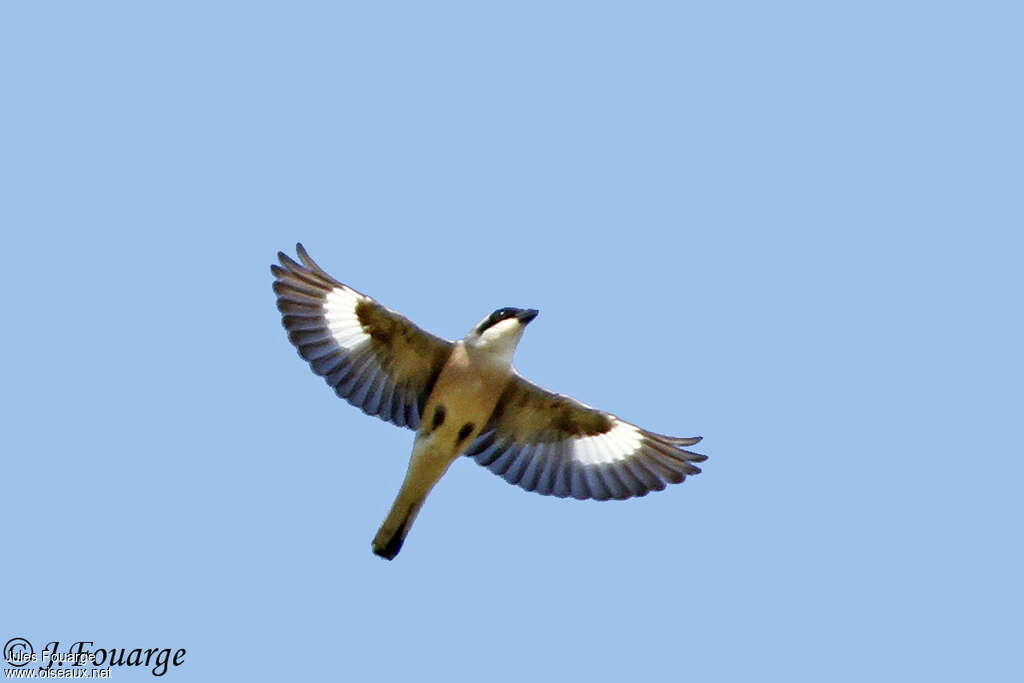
column 463, row 398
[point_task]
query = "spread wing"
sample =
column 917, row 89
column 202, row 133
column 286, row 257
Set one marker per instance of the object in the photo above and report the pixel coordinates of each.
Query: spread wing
column 555, row 445
column 372, row 356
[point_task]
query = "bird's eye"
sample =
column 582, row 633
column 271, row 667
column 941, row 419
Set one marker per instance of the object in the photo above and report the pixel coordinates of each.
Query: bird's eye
column 498, row 316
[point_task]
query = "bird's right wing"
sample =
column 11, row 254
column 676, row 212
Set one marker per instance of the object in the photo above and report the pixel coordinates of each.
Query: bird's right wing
column 372, row 356
column 555, row 445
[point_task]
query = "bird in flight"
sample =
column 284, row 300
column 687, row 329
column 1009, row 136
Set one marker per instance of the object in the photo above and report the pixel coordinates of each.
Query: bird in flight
column 465, row 397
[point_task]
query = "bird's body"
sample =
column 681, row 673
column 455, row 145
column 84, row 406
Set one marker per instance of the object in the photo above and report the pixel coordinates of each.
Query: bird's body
column 465, row 397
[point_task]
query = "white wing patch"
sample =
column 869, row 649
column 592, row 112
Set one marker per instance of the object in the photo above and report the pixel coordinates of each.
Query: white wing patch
column 340, row 313
column 620, row 442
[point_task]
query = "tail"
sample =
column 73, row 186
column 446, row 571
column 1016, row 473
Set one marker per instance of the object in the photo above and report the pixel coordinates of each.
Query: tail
column 426, row 466
column 395, row 528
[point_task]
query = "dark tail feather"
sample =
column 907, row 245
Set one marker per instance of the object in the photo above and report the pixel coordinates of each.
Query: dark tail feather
column 387, row 543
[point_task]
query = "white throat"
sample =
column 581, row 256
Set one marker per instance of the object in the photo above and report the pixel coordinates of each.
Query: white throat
column 498, row 341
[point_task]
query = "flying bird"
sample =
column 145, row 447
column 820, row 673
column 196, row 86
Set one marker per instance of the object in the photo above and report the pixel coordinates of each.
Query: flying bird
column 465, row 397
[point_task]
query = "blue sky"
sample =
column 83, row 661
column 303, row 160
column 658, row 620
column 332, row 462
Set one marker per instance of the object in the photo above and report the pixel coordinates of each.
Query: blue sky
column 791, row 228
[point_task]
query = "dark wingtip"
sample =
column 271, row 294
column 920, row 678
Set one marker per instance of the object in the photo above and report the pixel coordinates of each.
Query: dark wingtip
column 274, row 267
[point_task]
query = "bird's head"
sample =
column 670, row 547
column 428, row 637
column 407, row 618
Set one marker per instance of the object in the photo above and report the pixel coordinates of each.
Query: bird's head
column 499, row 332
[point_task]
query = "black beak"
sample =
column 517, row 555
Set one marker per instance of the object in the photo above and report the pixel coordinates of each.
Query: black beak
column 526, row 315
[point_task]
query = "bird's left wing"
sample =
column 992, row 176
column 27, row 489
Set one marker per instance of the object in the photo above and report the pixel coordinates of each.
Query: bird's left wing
column 372, row 356
column 555, row 445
